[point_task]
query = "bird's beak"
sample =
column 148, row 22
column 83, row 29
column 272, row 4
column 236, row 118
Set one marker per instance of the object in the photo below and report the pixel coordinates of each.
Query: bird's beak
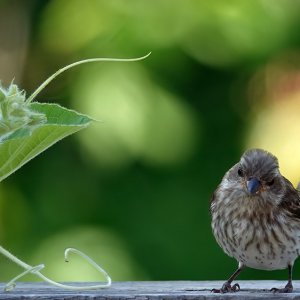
column 253, row 185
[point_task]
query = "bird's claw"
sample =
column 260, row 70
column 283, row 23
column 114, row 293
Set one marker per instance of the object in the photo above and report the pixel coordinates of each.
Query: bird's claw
column 227, row 288
column 287, row 289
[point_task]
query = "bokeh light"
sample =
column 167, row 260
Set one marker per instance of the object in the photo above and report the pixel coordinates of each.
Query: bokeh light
column 106, row 246
column 276, row 123
column 141, row 120
column 61, row 27
column 232, row 32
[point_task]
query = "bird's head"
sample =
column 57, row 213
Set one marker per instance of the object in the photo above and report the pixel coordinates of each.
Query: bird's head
column 257, row 175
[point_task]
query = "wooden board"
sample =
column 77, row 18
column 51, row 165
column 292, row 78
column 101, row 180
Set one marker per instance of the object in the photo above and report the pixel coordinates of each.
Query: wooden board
column 152, row 290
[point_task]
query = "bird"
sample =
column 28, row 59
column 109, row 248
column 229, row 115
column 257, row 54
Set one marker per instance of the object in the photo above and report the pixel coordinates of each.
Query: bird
column 255, row 217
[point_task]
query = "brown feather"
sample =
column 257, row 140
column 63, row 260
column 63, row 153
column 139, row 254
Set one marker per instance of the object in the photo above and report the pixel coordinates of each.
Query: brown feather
column 291, row 200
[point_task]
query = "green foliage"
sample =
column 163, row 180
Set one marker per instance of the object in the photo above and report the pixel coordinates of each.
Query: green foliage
column 25, row 143
column 27, row 129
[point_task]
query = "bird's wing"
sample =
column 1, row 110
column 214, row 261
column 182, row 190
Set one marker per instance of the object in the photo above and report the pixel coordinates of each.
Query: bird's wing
column 291, row 200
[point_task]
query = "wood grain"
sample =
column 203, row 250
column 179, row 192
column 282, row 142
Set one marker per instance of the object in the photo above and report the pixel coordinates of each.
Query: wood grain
column 144, row 290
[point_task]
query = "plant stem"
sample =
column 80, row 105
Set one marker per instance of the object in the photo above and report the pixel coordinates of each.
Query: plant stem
column 47, row 81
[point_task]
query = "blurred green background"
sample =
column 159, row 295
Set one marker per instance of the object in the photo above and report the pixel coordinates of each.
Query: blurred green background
column 133, row 190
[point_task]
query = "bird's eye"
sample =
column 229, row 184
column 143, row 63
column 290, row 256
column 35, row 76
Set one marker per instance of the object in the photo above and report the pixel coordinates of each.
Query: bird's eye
column 240, row 172
column 270, row 183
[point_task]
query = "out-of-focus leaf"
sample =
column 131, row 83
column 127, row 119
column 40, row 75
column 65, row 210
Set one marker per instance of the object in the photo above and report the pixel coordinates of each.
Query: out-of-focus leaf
column 21, row 146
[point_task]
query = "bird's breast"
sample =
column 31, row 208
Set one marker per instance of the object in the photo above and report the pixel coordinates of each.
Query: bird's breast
column 259, row 239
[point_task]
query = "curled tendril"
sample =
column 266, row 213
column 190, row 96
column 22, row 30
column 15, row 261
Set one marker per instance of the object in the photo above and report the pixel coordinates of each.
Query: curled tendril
column 12, row 283
column 36, row 271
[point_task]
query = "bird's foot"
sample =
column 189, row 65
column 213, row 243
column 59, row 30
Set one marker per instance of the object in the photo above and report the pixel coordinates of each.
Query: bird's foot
column 287, row 289
column 227, row 288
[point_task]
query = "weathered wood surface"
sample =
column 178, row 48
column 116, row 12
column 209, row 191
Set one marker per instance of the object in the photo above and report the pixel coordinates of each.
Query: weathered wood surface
column 144, row 290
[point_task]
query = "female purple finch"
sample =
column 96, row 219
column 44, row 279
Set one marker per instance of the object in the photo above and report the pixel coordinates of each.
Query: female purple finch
column 256, row 217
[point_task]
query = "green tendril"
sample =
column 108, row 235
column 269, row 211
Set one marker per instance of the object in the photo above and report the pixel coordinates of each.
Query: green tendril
column 36, row 271
column 47, row 81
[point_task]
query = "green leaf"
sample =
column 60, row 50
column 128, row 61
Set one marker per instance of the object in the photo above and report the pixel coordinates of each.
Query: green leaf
column 23, row 145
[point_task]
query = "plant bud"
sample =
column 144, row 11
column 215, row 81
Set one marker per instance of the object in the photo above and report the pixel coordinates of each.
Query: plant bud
column 15, row 112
